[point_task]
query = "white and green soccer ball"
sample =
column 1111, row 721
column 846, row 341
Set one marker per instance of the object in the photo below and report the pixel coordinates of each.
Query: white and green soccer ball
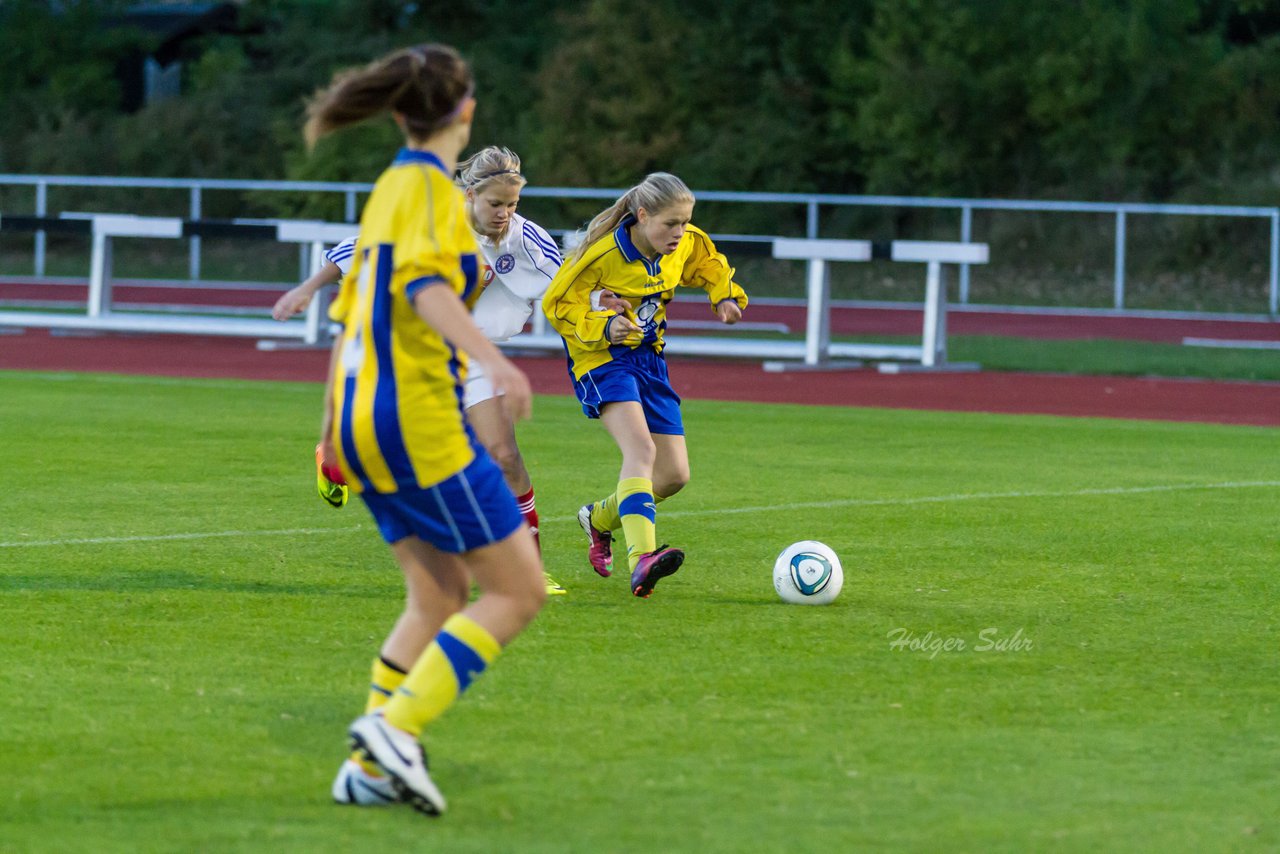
column 808, row 573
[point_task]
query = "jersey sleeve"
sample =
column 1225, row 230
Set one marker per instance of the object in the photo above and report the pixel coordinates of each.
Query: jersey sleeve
column 539, row 265
column 567, row 305
column 708, row 269
column 433, row 243
column 342, row 254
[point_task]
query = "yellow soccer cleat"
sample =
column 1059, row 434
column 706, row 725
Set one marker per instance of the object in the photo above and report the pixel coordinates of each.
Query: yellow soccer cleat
column 333, row 491
column 553, row 588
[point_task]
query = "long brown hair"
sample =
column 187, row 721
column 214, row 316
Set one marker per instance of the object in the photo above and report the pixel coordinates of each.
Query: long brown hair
column 658, row 191
column 426, row 84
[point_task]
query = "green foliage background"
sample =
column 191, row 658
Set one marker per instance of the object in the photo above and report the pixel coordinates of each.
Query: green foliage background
column 1140, row 100
column 1150, row 99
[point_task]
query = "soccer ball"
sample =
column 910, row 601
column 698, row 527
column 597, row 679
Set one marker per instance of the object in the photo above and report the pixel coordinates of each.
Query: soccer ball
column 808, row 573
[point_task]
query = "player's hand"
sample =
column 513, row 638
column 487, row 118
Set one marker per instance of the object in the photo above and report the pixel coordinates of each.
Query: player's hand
column 291, row 303
column 621, row 328
column 609, row 301
column 329, row 461
column 510, row 382
column 728, row 312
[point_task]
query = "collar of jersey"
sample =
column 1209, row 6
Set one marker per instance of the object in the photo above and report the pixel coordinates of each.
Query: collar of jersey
column 411, row 155
column 629, row 250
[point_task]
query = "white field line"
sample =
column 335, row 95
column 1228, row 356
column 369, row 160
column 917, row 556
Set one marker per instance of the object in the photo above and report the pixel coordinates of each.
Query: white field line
column 160, row 538
column 676, row 514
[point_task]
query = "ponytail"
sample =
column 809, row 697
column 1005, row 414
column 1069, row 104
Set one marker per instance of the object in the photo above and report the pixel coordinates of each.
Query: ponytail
column 427, row 85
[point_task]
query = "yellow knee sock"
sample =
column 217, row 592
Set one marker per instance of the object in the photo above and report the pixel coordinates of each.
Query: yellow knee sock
column 459, row 654
column 636, row 509
column 604, row 513
column 383, row 681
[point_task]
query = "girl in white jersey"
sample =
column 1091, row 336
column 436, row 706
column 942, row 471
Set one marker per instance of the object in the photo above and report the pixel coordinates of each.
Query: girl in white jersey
column 520, row 260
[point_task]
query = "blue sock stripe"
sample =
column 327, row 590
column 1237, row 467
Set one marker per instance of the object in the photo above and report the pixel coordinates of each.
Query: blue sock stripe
column 378, row 689
column 638, row 504
column 466, row 662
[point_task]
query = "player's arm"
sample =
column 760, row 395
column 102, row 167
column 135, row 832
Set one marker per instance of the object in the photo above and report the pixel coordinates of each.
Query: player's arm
column 708, row 269
column 297, row 299
column 568, row 306
column 441, row 309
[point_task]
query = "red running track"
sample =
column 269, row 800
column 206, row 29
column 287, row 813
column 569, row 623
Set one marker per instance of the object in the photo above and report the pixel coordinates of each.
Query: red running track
column 1108, row 397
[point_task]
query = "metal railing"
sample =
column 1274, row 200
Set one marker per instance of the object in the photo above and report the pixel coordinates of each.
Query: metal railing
column 812, row 203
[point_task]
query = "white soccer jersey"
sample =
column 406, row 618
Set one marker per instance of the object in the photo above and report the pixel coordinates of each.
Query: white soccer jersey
column 517, row 271
column 516, row 274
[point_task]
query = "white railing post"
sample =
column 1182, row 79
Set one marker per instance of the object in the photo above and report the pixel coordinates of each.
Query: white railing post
column 817, row 328
column 42, row 209
column 966, row 235
column 193, row 250
column 100, row 273
column 932, row 313
column 1273, row 302
column 1118, row 296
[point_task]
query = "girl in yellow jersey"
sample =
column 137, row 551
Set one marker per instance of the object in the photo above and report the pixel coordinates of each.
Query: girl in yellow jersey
column 642, row 248
column 394, row 420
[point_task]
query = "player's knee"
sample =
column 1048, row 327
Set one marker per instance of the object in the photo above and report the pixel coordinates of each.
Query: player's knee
column 671, row 485
column 530, row 596
column 671, row 482
column 452, row 596
column 507, row 456
column 457, row 595
column 537, row 596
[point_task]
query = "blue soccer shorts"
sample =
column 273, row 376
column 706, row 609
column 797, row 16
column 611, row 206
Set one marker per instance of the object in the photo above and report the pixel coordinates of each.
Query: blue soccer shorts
column 473, row 508
column 639, row 375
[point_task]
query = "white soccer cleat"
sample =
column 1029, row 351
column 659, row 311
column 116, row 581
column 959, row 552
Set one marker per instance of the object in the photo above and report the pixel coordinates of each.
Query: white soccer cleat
column 401, row 756
column 354, row 786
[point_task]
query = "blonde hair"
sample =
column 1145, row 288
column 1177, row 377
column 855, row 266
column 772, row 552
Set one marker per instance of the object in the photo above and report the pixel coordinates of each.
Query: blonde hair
column 658, row 191
column 492, row 165
column 428, row 85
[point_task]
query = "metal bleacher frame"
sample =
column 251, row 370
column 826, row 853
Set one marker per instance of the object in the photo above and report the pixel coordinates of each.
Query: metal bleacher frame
column 101, row 315
column 815, row 352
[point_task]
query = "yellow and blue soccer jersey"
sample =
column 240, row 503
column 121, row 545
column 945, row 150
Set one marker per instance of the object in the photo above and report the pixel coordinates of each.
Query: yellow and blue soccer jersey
column 614, row 262
column 398, row 419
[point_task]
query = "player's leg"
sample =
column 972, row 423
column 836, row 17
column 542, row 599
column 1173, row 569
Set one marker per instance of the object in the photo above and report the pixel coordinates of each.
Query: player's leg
column 431, row 597
column 508, row 573
column 634, row 502
column 497, row 432
column 670, row 469
column 666, row 425
column 471, row 519
column 630, row 506
column 512, row 591
column 612, row 387
column 670, row 465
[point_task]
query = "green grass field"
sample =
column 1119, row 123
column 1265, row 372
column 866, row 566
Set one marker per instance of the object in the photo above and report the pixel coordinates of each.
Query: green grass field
column 188, row 630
